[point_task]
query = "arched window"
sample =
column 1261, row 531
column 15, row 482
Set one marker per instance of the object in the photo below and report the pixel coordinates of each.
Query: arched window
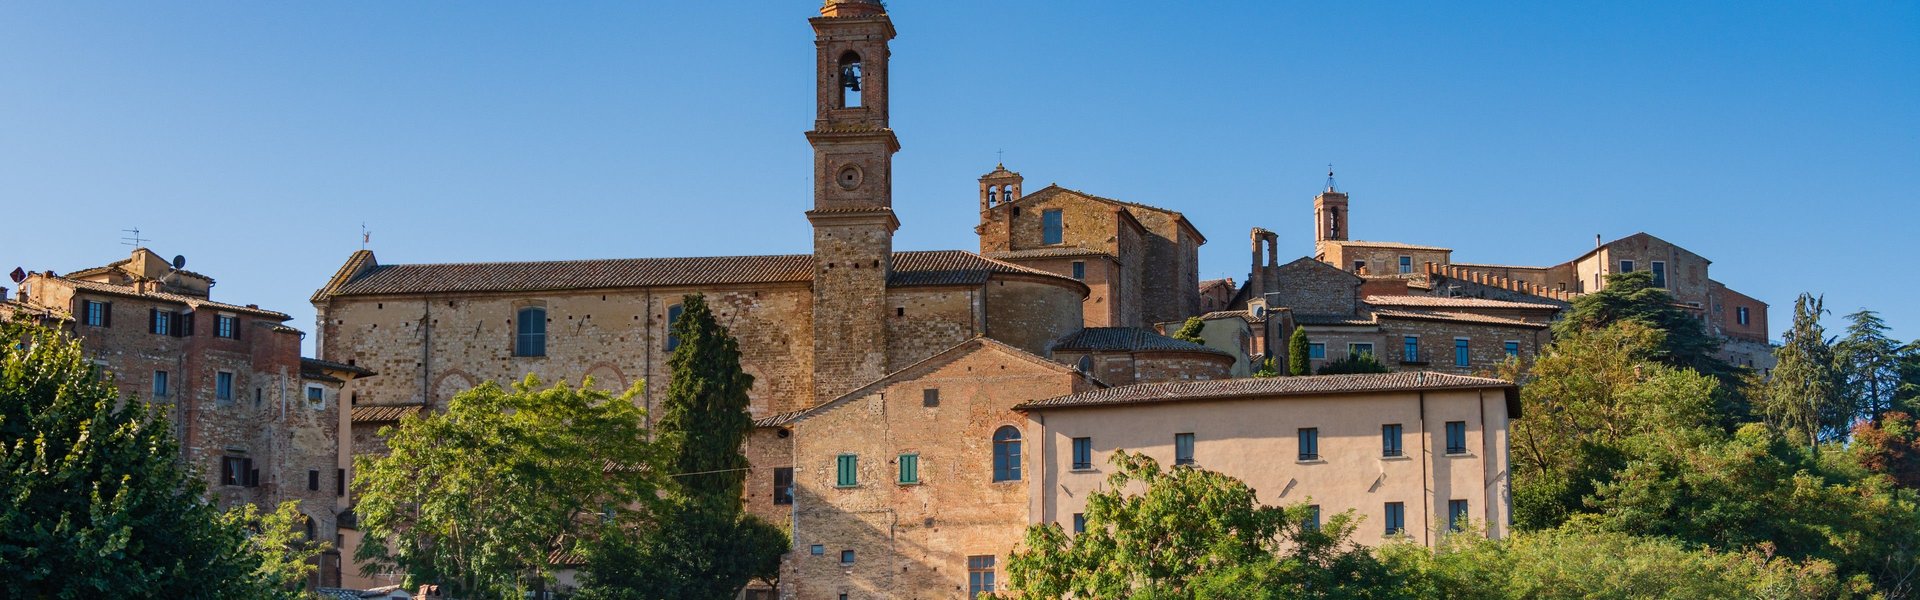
column 530, row 338
column 1086, row 363
column 673, row 316
column 992, row 198
column 850, row 75
column 1006, row 454
column 309, row 521
column 1006, row 193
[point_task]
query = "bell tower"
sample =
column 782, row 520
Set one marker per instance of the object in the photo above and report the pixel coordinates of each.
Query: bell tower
column 1330, row 213
column 852, row 216
column 999, row 187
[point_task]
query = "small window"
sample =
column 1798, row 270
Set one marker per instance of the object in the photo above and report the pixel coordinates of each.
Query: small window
column 1183, row 449
column 96, row 314
column 259, row 396
column 847, row 471
column 1079, row 270
column 1052, row 230
column 1740, row 315
column 316, row 394
column 1360, row 266
column 1085, row 364
column 1079, row 522
column 159, row 322
column 1083, row 453
column 226, row 326
column 339, row 482
column 817, row 550
column 1357, row 349
column 980, row 576
column 1396, row 518
column 1626, row 266
column 236, row 470
column 673, row 316
column 909, row 469
column 1457, row 515
column 1309, row 443
column 159, row 384
column 530, row 332
column 1006, row 454
column 313, row 480
column 223, row 387
column 1460, row 353
column 930, row 397
column 1406, row 264
column 1316, row 351
column 783, row 485
column 1456, row 437
column 1410, row 350
column 1390, row 440
column 1312, row 520
column 846, row 557
column 1512, row 348
column 1659, row 274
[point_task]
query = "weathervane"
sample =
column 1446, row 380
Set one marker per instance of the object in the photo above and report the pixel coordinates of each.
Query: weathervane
column 365, row 236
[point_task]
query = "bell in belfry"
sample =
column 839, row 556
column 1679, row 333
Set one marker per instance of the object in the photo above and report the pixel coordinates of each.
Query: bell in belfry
column 850, row 77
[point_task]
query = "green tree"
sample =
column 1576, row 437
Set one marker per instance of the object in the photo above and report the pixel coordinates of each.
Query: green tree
column 1298, row 348
column 1806, row 394
column 1906, row 395
column 1868, row 364
column 1356, row 363
column 279, row 539
column 1190, row 331
column 98, row 503
column 1684, row 344
column 703, row 430
column 477, row 499
column 1267, row 369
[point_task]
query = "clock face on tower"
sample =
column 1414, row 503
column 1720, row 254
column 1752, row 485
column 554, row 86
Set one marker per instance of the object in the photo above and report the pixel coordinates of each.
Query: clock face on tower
column 849, row 177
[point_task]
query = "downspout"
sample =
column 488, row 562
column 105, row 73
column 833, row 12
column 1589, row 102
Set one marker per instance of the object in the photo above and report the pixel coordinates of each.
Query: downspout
column 646, row 390
column 1486, row 454
column 426, row 352
column 1426, row 479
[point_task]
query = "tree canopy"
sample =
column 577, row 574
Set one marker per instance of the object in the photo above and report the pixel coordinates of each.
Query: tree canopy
column 1298, row 348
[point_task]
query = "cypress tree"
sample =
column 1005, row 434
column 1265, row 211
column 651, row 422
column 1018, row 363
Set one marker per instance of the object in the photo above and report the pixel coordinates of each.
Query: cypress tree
column 704, row 420
column 1298, row 363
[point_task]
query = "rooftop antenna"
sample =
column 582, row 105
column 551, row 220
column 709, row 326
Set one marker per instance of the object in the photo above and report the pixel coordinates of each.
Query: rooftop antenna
column 1330, row 187
column 365, row 236
column 134, row 239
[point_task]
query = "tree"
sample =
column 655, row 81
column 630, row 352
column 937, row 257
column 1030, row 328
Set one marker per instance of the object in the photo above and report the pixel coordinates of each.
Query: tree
column 1685, row 342
column 1805, row 395
column 1190, row 332
column 98, row 503
column 1890, row 446
column 279, row 539
column 1267, row 369
column 1906, row 395
column 1298, row 348
column 1357, row 363
column 477, row 499
column 703, row 428
column 1868, row 364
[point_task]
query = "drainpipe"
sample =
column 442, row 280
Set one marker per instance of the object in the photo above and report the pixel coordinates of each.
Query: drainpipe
column 1426, row 478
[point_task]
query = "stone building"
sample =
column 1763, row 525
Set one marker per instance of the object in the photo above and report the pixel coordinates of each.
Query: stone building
column 260, row 423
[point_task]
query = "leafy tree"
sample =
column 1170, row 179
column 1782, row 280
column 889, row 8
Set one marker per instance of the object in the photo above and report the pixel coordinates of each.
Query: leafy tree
column 1357, row 363
column 1685, row 344
column 279, row 539
column 1890, row 446
column 98, row 503
column 1298, row 347
column 1190, row 331
column 478, row 498
column 1868, row 364
column 1192, row 533
column 703, row 429
column 1267, row 369
column 1805, row 396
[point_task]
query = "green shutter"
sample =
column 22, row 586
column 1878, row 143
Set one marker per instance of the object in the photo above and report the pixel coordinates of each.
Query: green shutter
column 849, row 470
column 909, row 468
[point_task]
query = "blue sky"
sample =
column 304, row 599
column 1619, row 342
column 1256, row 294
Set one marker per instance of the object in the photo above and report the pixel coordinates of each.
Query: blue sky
column 1780, row 140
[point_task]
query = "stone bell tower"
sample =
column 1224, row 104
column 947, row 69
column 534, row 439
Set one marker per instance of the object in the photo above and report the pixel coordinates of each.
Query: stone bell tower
column 1330, row 213
column 852, row 214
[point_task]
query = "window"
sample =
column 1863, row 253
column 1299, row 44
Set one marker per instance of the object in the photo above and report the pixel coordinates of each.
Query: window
column 1659, row 274
column 530, row 331
column 223, row 387
column 339, row 482
column 1079, row 522
column 850, row 75
column 1457, row 515
column 847, row 471
column 930, row 397
column 909, row 469
column 1079, row 269
column 1512, row 348
column 1051, row 229
column 1183, row 449
column 159, row 384
column 159, row 322
column 783, row 485
column 236, row 470
column 673, row 316
column 1086, row 363
column 1456, row 437
column 1312, row 521
column 1006, row 454
column 316, row 394
column 1357, row 349
column 1360, row 266
column 1626, row 266
column 1406, row 264
column 979, row 576
column 1390, row 440
column 1082, row 453
column 259, row 395
column 97, row 314
column 1460, row 354
column 846, row 557
column 225, row 326
column 1740, row 315
column 1412, row 350
column 1316, row 351
column 1309, row 443
column 817, row 550
column 313, row 480
column 1396, row 518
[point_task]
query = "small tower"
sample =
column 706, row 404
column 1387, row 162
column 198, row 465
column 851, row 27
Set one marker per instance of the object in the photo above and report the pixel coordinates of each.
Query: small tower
column 999, row 187
column 1330, row 213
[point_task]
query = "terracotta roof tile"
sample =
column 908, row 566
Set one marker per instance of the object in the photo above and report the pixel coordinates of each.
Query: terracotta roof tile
column 1366, row 244
column 1443, row 302
column 1306, row 385
column 1128, row 339
column 1454, row 317
column 195, row 302
column 1045, row 253
column 382, row 414
column 1335, row 320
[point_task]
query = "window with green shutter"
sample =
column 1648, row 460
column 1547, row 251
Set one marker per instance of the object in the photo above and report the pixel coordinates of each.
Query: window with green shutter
column 909, row 469
column 849, row 470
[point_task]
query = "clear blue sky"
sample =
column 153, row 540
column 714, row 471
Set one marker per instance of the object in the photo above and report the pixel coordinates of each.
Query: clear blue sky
column 1780, row 140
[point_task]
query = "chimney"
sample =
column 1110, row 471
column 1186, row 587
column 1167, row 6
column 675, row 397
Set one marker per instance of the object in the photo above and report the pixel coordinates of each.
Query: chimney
column 1596, row 240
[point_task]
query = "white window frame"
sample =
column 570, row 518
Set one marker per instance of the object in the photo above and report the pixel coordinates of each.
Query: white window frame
column 323, row 395
column 1662, row 272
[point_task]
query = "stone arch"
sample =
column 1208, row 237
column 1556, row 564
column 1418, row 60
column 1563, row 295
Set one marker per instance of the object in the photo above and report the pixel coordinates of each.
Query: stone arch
column 608, row 377
column 450, row 382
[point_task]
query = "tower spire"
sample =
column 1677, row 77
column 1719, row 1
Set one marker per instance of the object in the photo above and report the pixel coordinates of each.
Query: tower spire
column 1330, row 186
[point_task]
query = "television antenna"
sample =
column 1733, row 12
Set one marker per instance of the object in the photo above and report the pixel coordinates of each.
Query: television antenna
column 133, row 238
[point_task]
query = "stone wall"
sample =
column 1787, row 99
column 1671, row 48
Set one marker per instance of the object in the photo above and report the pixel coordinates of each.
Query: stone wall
column 1031, row 314
column 1310, row 287
column 1486, row 345
column 1152, row 367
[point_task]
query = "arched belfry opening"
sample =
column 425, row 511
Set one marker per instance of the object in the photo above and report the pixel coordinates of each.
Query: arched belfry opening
column 850, row 75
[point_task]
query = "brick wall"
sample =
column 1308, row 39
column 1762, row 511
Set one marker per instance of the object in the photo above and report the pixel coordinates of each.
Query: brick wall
column 1031, row 314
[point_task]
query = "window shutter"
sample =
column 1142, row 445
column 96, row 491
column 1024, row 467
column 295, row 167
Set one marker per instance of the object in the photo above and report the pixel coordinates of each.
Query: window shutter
column 106, row 314
column 184, row 324
column 153, row 320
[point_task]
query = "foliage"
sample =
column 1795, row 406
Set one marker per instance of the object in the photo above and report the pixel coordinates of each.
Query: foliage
column 279, row 539
column 1356, row 363
column 1192, row 533
column 1806, row 394
column 1889, row 447
column 703, row 428
column 479, row 497
column 1906, row 396
column 1190, row 331
column 1868, row 361
column 98, row 502
column 1632, row 297
column 1267, row 369
column 1298, row 348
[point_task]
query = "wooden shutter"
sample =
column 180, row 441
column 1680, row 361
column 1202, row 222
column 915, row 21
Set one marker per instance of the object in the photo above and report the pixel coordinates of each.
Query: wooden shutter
column 153, row 320
column 106, row 314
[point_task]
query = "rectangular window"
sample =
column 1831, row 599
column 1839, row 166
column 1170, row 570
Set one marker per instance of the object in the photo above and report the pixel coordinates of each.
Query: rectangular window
column 159, row 384
column 226, row 326
column 313, row 480
column 1309, row 443
column 783, row 485
column 1396, row 518
column 1316, row 351
column 1457, row 515
column 235, row 470
column 673, row 315
column 1460, row 354
column 909, row 468
column 980, row 576
column 1357, row 349
column 1052, row 231
column 1456, row 437
column 1079, row 522
column 1312, row 522
column 223, row 387
column 846, row 557
column 1079, row 269
column 339, row 482
column 1512, row 348
column 530, row 331
column 1390, row 440
column 316, row 394
column 1626, row 266
column 1083, row 453
column 1412, row 350
column 848, row 471
column 1659, row 274
column 1359, row 266
column 159, row 322
column 1183, row 448
column 1406, row 264
column 95, row 313
column 1740, row 314
column 930, row 397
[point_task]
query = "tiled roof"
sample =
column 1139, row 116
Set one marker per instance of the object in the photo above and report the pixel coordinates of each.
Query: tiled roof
column 315, row 363
column 1454, row 317
column 1334, row 320
column 1063, row 251
column 1443, row 302
column 1305, row 385
column 935, row 267
column 1207, row 283
column 787, row 418
column 382, row 414
column 1228, row 314
column 1128, row 339
column 1383, row 245
column 115, row 265
column 194, row 302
